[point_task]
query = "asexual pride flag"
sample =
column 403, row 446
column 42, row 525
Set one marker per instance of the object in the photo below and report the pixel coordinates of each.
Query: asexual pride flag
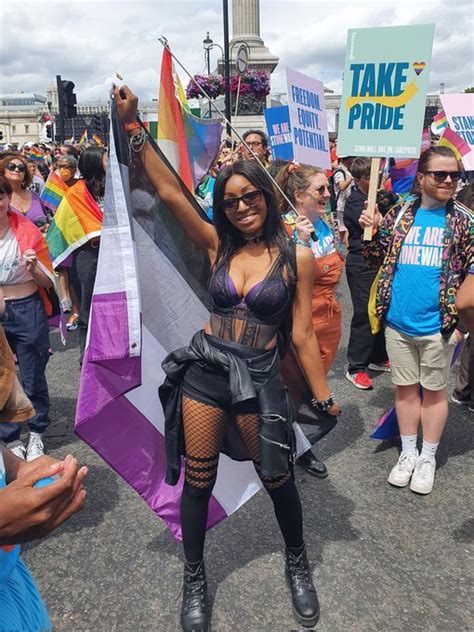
column 149, row 298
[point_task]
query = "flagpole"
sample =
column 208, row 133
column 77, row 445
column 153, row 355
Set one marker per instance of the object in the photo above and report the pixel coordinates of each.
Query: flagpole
column 164, row 42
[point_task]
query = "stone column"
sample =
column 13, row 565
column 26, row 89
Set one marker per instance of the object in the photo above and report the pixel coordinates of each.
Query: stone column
column 245, row 19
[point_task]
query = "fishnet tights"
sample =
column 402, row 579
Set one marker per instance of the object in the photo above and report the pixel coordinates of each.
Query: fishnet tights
column 204, row 429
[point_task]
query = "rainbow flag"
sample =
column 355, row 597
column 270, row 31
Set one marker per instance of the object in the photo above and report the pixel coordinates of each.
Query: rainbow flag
column 36, row 154
column 456, row 143
column 190, row 143
column 440, row 121
column 53, row 192
column 77, row 220
column 84, row 138
column 98, row 140
column 403, row 175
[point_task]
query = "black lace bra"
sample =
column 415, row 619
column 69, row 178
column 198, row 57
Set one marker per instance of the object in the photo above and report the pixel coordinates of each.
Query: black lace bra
column 253, row 319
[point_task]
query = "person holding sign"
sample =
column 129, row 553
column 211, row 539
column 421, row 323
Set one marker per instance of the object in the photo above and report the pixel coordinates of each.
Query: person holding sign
column 365, row 351
column 425, row 250
column 307, row 189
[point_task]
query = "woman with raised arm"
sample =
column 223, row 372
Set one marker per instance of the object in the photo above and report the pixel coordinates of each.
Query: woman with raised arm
column 224, row 392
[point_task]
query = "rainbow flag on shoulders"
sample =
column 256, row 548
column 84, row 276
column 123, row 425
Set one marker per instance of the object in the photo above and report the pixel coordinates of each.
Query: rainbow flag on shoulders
column 77, row 220
column 54, row 191
column 456, row 143
column 190, row 143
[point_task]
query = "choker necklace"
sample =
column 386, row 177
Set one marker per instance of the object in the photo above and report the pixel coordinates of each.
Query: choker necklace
column 252, row 241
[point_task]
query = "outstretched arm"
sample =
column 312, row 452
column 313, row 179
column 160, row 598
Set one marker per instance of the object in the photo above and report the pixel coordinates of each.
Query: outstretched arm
column 166, row 184
column 303, row 336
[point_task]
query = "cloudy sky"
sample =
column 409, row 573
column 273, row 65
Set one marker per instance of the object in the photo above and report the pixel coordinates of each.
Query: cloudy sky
column 87, row 41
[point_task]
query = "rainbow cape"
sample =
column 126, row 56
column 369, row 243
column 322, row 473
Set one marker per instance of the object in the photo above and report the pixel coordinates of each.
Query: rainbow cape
column 190, row 143
column 54, row 191
column 457, row 144
column 29, row 237
column 77, row 220
column 84, row 138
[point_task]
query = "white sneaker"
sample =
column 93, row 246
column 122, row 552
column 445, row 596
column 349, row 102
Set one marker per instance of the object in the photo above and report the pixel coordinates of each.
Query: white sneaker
column 423, row 477
column 17, row 448
column 401, row 473
column 35, row 447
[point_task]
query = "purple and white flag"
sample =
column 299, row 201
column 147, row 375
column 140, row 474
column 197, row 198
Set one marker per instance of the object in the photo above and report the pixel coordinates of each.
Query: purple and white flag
column 149, row 298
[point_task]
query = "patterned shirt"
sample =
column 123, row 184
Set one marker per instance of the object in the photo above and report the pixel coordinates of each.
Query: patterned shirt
column 457, row 254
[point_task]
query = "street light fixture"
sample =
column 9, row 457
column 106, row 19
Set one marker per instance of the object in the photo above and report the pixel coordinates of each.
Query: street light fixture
column 208, row 44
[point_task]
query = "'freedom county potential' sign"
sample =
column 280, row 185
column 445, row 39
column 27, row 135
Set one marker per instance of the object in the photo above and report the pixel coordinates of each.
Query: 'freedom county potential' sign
column 384, row 91
column 309, row 127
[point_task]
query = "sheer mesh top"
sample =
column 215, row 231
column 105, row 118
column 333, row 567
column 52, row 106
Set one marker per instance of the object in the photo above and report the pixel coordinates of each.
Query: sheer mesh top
column 252, row 320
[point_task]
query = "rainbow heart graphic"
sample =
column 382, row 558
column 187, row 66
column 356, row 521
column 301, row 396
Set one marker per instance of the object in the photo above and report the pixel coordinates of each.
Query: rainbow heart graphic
column 418, row 66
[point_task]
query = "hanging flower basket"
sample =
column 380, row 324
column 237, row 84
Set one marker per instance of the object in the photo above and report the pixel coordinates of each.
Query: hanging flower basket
column 255, row 83
column 213, row 85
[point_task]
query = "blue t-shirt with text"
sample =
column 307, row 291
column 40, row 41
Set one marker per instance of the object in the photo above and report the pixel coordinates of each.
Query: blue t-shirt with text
column 414, row 304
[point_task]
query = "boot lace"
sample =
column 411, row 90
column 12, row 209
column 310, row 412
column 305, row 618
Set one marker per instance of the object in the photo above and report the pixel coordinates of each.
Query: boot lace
column 299, row 571
column 193, row 589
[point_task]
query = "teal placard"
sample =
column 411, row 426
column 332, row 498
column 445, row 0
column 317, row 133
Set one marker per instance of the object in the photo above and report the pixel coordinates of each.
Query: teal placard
column 383, row 102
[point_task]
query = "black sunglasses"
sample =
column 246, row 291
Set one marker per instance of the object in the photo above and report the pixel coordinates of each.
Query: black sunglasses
column 252, row 198
column 440, row 176
column 12, row 166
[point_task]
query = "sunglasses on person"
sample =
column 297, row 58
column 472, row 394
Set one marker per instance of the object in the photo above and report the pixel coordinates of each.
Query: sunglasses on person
column 440, row 176
column 320, row 190
column 12, row 166
column 250, row 199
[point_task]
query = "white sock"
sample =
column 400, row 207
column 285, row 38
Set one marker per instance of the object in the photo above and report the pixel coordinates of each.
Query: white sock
column 429, row 450
column 409, row 443
column 35, row 434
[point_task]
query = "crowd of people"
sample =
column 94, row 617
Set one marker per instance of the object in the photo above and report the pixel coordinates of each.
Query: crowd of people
column 278, row 239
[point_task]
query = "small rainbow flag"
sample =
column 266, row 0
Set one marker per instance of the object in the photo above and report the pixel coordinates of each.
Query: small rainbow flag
column 77, row 220
column 188, row 142
column 54, row 190
column 440, row 121
column 456, row 143
column 84, row 138
column 98, row 140
column 403, row 176
column 36, row 154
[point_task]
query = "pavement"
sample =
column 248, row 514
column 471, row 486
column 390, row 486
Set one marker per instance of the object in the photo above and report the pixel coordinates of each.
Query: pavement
column 383, row 559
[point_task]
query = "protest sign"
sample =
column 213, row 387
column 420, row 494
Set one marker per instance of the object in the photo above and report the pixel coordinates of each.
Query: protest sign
column 279, row 132
column 459, row 110
column 384, row 91
column 308, row 121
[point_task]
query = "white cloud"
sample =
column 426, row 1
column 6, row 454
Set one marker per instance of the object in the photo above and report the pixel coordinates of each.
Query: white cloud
column 89, row 41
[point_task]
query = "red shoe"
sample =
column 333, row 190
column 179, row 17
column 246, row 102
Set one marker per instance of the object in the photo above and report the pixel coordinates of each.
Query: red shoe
column 360, row 380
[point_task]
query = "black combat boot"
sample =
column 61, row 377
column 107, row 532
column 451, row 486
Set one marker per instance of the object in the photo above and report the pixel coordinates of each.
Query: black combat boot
column 194, row 609
column 314, row 466
column 303, row 593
